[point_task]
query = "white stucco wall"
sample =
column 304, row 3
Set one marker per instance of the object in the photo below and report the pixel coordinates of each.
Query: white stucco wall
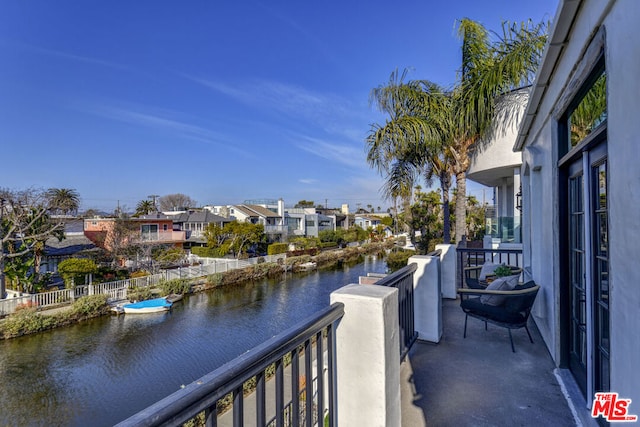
column 623, row 67
column 494, row 159
column 540, row 179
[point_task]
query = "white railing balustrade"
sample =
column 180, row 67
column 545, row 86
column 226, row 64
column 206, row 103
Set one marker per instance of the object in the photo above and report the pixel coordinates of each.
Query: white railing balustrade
column 46, row 299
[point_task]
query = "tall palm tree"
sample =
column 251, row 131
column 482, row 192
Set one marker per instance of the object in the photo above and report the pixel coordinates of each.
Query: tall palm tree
column 144, row 207
column 414, row 141
column 435, row 130
column 489, row 69
column 63, row 200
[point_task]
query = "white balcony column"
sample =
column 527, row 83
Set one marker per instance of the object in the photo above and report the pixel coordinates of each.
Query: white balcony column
column 427, row 297
column 503, row 203
column 448, row 270
column 368, row 356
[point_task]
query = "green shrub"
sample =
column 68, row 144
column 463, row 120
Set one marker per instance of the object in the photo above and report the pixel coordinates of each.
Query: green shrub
column 325, row 245
column 175, row 286
column 398, row 259
column 139, row 273
column 139, row 294
column 205, row 252
column 25, row 321
column 73, row 269
column 90, row 305
column 215, row 279
column 277, row 248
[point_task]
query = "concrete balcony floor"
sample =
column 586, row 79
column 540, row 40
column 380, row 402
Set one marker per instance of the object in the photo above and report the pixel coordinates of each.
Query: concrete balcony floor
column 479, row 381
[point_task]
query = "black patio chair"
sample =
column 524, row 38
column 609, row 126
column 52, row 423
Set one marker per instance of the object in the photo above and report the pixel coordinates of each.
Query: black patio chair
column 508, row 309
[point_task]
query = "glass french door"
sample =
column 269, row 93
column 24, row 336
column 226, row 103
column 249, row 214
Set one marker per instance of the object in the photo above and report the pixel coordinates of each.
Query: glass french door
column 577, row 278
column 588, row 271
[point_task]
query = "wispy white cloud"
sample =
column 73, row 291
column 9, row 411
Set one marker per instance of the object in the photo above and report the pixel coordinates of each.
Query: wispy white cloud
column 66, row 55
column 318, row 45
column 333, row 113
column 307, row 181
column 345, row 154
column 166, row 121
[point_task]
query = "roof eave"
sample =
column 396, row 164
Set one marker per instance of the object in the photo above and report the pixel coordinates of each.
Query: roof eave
column 565, row 16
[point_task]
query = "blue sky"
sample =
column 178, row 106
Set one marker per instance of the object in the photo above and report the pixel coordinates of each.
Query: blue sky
column 223, row 101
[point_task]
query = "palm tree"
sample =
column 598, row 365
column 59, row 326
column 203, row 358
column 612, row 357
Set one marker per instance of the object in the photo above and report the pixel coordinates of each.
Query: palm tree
column 433, row 130
column 144, row 207
column 63, row 200
column 488, row 70
column 414, row 141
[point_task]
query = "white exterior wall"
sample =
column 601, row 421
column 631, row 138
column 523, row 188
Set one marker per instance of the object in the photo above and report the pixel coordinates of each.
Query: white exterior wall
column 540, row 187
column 623, row 66
column 495, row 159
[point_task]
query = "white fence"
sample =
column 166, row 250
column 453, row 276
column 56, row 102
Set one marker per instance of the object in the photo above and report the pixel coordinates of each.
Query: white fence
column 117, row 290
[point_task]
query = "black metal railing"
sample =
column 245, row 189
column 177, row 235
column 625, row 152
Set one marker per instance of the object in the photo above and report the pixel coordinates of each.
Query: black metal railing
column 287, row 350
column 403, row 280
column 474, row 257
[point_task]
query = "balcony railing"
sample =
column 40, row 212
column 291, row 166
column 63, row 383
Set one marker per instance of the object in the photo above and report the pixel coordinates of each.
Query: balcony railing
column 403, row 281
column 294, row 346
column 473, row 257
column 276, row 229
column 308, row 354
column 164, row 236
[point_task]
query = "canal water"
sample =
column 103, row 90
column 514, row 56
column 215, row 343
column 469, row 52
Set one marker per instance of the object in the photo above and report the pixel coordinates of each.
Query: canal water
column 100, row 372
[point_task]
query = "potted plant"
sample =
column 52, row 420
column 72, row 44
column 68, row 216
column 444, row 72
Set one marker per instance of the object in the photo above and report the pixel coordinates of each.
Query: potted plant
column 502, row 271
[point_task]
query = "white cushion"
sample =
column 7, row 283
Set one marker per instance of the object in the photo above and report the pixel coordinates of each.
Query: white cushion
column 487, row 268
column 507, row 283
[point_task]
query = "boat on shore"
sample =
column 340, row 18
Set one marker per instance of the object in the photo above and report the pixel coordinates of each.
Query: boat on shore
column 174, row 297
column 148, row 306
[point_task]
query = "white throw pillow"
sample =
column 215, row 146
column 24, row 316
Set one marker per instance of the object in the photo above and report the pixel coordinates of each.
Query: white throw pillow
column 507, row 283
column 487, row 268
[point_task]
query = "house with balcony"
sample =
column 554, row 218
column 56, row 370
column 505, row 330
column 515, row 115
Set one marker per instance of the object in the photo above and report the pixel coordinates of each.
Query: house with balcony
column 495, row 164
column 149, row 229
column 579, row 176
column 194, row 223
column 580, row 198
column 307, row 222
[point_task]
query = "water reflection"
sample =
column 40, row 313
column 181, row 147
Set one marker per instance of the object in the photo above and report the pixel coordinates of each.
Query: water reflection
column 106, row 369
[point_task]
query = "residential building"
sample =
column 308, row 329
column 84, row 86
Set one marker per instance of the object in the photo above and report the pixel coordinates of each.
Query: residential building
column 580, row 197
column 366, row 221
column 194, row 224
column 495, row 164
column 74, row 244
column 280, row 222
column 154, row 228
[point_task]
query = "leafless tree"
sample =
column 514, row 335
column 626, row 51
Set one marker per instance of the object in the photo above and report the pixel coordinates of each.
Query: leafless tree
column 177, row 201
column 24, row 224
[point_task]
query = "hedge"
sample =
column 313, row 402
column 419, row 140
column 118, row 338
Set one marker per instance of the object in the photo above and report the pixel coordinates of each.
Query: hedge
column 277, row 248
column 204, row 251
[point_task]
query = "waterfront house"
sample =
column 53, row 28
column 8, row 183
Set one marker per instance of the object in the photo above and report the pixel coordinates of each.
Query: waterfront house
column 365, row 221
column 155, row 228
column 75, row 244
column 194, row 223
column 580, row 197
column 495, row 164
